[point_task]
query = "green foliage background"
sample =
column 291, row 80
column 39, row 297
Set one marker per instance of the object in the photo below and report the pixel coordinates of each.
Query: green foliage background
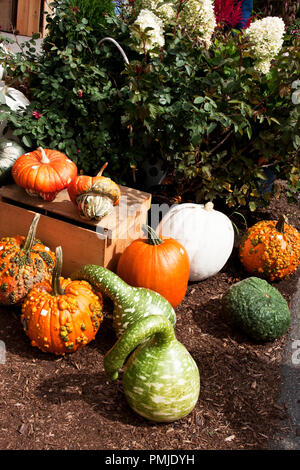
column 215, row 122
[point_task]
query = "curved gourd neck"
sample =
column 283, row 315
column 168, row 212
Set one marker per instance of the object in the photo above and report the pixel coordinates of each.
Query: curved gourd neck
column 105, row 280
column 155, row 325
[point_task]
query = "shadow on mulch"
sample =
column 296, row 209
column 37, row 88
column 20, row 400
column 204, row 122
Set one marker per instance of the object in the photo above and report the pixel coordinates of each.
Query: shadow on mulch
column 49, row 402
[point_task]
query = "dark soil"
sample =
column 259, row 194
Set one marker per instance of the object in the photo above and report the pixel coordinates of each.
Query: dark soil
column 49, row 402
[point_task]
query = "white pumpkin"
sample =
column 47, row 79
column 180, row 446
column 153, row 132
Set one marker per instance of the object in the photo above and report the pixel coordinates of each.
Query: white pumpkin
column 15, row 100
column 206, row 234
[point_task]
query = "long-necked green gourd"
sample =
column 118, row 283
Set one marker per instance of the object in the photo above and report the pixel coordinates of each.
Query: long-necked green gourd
column 161, row 380
column 130, row 303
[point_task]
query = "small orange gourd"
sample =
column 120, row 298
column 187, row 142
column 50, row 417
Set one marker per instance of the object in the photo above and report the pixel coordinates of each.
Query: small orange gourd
column 63, row 316
column 94, row 196
column 271, row 249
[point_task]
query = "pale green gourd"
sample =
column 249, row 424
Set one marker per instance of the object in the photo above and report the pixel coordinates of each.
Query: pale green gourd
column 161, row 380
column 130, row 303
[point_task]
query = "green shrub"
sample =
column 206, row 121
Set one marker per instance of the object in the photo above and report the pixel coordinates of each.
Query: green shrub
column 216, row 122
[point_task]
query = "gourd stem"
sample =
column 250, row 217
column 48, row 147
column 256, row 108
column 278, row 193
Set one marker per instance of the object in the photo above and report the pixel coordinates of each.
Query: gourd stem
column 56, row 285
column 280, row 224
column 153, row 325
column 209, row 206
column 103, row 279
column 31, row 233
column 44, row 158
column 152, row 237
column 102, row 169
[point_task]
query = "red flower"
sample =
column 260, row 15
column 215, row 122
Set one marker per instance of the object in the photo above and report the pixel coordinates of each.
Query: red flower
column 228, row 12
column 36, row 114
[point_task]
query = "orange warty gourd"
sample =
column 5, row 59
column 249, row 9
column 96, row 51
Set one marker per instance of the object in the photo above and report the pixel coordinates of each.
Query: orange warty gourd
column 94, row 196
column 159, row 264
column 271, row 249
column 23, row 263
column 44, row 172
column 63, row 316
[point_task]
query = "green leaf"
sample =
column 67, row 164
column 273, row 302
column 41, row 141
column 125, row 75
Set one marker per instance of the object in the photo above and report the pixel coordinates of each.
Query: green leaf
column 27, row 141
column 198, row 100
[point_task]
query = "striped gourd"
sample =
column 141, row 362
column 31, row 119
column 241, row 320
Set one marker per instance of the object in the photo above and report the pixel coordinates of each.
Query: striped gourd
column 161, row 380
column 94, row 207
column 130, row 303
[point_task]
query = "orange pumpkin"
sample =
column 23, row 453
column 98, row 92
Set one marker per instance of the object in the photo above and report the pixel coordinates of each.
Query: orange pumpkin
column 44, row 172
column 63, row 316
column 94, row 196
column 23, row 263
column 160, row 264
column 271, row 249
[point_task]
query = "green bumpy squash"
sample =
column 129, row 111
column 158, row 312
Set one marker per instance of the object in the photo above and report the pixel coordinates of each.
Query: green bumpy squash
column 257, row 308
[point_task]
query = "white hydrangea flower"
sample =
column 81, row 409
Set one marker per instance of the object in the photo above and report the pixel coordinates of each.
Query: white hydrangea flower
column 266, row 36
column 155, row 36
column 263, row 66
column 199, row 18
column 165, row 12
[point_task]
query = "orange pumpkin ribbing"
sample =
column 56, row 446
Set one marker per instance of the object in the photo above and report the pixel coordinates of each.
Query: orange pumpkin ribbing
column 162, row 266
column 44, row 172
column 99, row 184
column 269, row 251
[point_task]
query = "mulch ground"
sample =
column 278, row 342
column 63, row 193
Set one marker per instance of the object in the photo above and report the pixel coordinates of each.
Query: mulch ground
column 49, row 402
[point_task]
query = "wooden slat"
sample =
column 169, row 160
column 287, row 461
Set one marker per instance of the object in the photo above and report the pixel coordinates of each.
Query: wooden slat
column 80, row 246
column 6, row 15
column 132, row 203
column 28, row 17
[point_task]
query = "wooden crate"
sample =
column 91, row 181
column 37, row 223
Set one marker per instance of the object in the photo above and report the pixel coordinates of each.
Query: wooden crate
column 28, row 17
column 83, row 242
column 7, row 16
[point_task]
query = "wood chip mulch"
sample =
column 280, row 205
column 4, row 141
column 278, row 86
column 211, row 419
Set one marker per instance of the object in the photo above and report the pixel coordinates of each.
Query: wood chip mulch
column 57, row 403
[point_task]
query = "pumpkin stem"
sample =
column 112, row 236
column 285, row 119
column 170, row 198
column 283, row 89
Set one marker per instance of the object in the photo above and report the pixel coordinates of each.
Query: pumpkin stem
column 280, row 224
column 44, row 158
column 31, row 233
column 102, row 169
column 209, row 206
column 56, row 285
column 152, row 237
column 156, row 325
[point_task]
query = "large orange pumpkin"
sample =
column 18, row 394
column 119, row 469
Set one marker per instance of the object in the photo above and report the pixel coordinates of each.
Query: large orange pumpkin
column 271, row 249
column 160, row 264
column 63, row 316
column 23, row 263
column 44, row 172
